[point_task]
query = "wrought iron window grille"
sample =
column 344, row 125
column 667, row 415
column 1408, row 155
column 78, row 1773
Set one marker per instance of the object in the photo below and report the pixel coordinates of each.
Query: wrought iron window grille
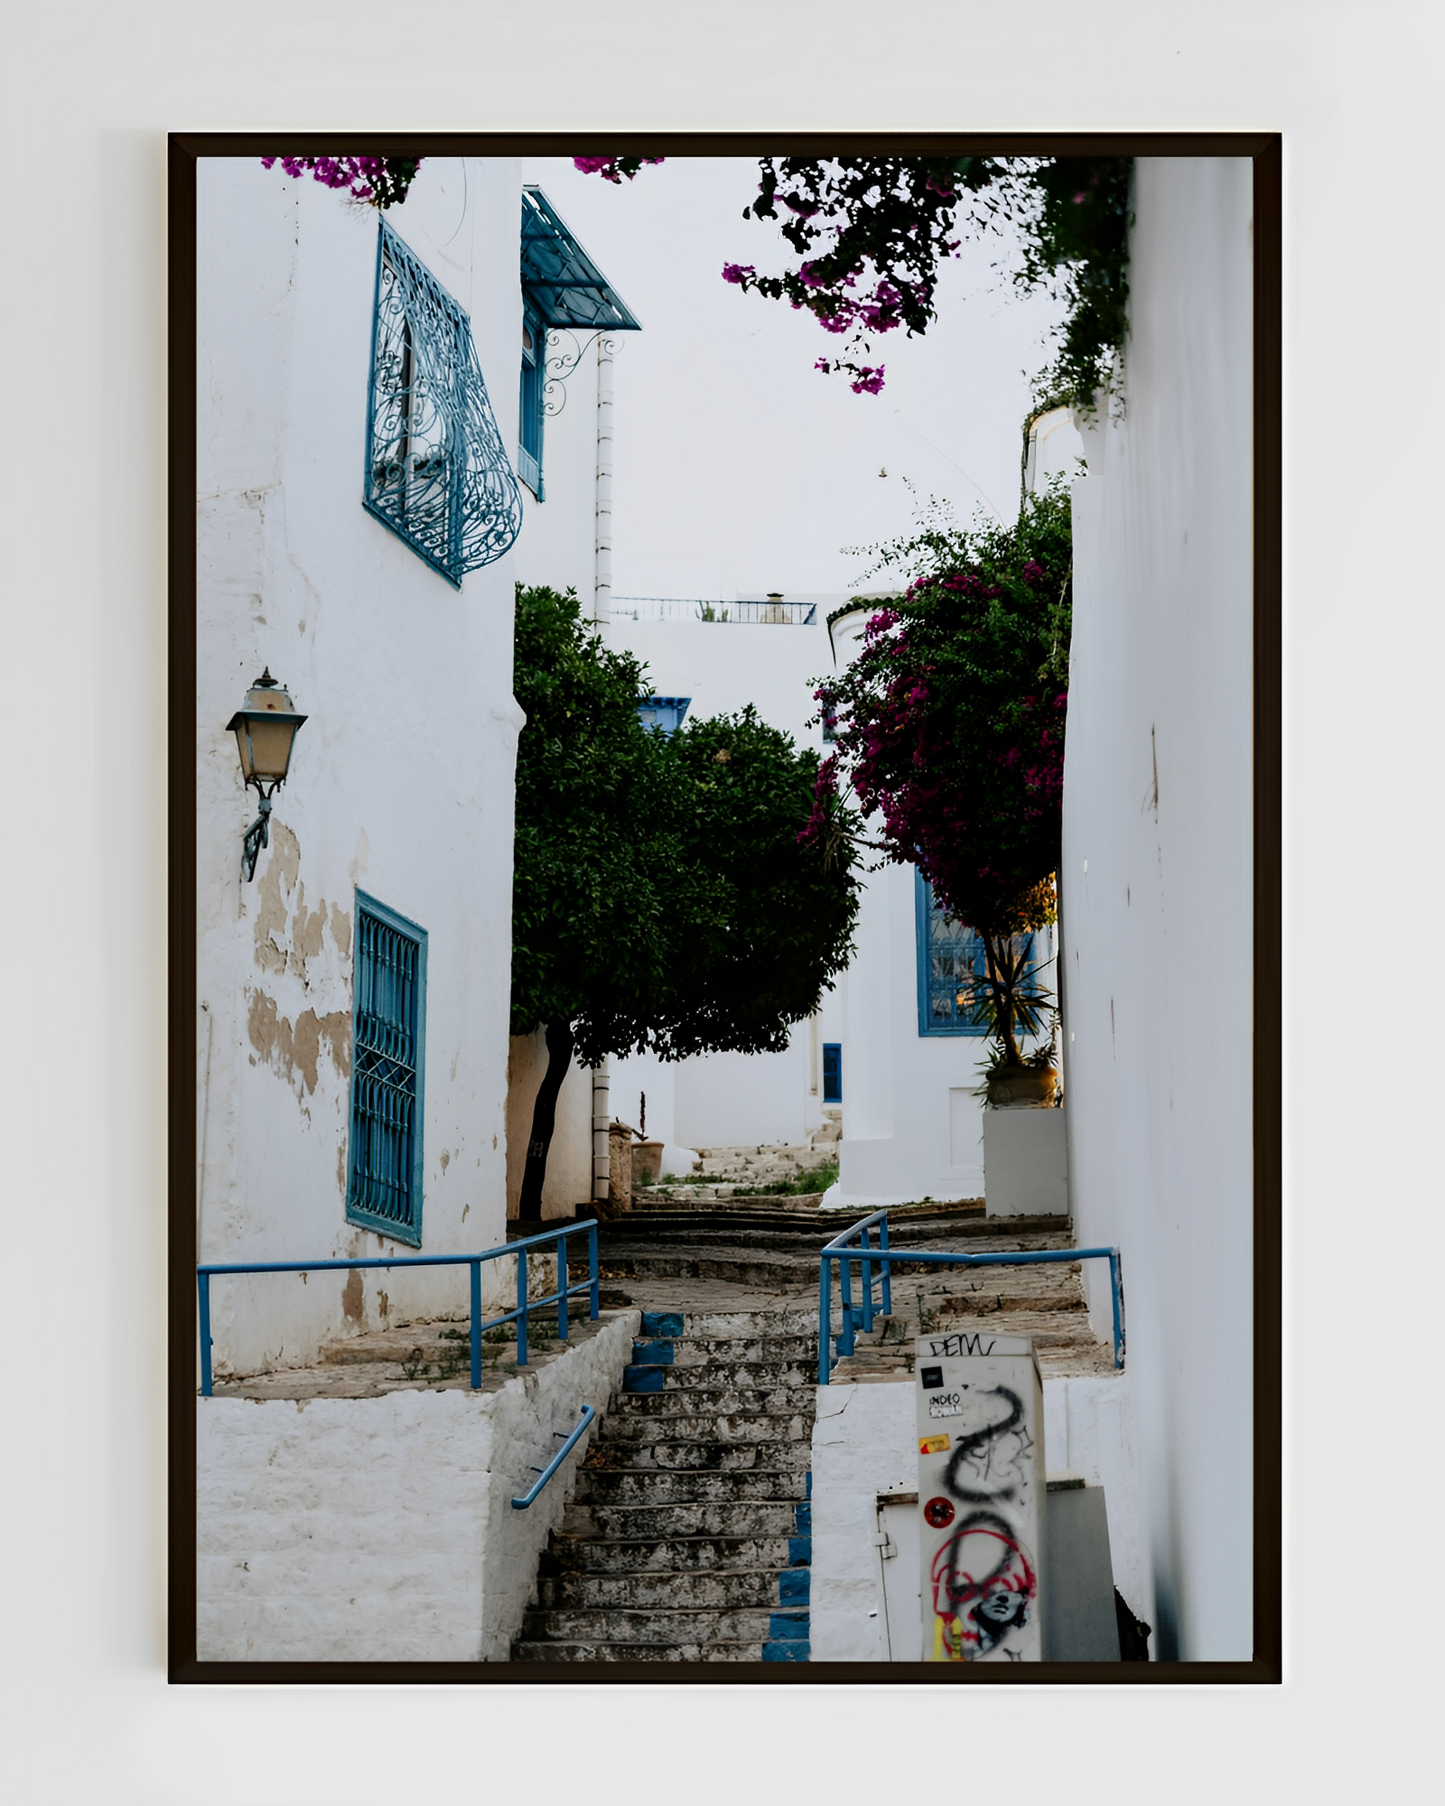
column 384, row 1169
column 952, row 967
column 437, row 472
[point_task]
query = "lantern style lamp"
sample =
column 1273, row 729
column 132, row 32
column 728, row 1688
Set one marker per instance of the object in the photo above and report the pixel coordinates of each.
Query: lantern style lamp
column 265, row 731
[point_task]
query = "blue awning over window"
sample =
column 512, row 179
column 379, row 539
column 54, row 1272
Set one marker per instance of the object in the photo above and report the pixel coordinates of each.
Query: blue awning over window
column 561, row 281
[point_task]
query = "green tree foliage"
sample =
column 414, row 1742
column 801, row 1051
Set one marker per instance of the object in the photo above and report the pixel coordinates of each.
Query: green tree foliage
column 663, row 897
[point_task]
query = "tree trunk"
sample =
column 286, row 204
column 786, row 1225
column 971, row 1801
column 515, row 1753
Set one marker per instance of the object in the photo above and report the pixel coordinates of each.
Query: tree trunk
column 544, row 1119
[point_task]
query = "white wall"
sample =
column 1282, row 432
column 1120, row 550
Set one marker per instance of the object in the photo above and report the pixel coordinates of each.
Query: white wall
column 402, row 775
column 1156, row 887
column 382, row 1529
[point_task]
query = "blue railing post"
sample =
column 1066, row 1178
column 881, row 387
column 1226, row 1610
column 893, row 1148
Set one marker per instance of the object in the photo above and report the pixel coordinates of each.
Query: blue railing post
column 592, row 1269
column 825, row 1323
column 1118, row 1303
column 476, row 1325
column 521, row 1307
column 887, row 1270
column 845, row 1301
column 203, row 1289
column 562, row 1287
column 865, row 1274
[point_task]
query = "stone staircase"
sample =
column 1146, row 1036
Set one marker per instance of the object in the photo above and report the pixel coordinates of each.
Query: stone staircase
column 688, row 1539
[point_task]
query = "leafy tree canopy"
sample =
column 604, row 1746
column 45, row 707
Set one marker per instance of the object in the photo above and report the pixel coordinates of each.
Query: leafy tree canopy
column 662, row 896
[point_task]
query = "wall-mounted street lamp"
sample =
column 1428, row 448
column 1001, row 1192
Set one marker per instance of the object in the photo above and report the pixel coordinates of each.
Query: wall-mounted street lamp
column 265, row 730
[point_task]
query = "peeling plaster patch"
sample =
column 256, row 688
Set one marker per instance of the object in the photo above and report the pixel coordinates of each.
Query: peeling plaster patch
column 341, row 1169
column 307, row 931
column 353, row 1297
column 293, row 1051
column 466, row 1211
column 494, row 1148
column 384, row 1302
column 446, row 1159
column 281, row 872
column 360, row 865
column 341, row 928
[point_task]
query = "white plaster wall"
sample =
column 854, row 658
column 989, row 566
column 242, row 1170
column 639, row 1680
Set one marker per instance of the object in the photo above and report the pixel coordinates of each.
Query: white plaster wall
column 1156, row 885
column 556, row 548
column 864, row 1444
column 402, row 775
column 382, row 1529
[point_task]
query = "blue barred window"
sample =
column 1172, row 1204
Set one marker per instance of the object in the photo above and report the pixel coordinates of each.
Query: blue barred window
column 437, row 472
column 666, row 712
column 383, row 1186
column 832, row 1072
column 952, row 964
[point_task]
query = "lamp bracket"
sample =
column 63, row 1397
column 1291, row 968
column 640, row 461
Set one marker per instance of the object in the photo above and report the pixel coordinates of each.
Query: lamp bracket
column 258, row 835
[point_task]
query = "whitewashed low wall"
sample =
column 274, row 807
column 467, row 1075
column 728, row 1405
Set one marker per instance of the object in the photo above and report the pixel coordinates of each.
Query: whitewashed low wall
column 382, row 1529
column 864, row 1444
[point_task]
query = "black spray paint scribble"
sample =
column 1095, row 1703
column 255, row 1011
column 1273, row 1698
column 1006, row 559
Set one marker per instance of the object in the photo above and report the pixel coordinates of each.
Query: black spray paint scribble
column 991, row 1455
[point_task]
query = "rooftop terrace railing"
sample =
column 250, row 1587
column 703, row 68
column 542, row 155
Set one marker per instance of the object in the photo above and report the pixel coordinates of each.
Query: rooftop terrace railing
column 552, row 1238
column 876, row 1261
column 688, row 608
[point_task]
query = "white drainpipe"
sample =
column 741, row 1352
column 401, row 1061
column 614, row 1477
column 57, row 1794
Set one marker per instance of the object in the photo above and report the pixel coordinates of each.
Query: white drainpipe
column 602, row 613
column 602, row 543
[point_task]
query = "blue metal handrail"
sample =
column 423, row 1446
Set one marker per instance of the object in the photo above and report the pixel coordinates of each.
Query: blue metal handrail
column 547, row 1472
column 555, row 1238
column 885, row 1259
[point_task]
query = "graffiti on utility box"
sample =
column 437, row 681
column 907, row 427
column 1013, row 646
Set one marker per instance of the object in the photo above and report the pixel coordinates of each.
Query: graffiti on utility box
column 981, row 1492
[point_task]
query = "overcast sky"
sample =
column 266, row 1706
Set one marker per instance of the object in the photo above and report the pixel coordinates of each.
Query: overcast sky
column 738, row 467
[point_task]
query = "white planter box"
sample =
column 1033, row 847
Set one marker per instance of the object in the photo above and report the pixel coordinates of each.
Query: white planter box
column 1025, row 1163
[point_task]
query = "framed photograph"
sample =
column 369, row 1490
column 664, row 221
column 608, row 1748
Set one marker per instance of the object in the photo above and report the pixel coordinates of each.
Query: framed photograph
column 727, row 909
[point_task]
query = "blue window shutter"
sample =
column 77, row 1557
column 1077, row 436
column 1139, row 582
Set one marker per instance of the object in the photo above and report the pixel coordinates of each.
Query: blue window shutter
column 950, row 957
column 832, row 1072
column 530, row 410
column 384, row 1168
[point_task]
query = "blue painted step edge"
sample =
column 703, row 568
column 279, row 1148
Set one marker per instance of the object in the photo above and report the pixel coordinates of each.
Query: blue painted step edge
column 787, row 1626
column 800, row 1551
column 642, row 1379
column 794, row 1651
column 662, row 1323
column 803, row 1520
column 652, row 1354
column 793, row 1586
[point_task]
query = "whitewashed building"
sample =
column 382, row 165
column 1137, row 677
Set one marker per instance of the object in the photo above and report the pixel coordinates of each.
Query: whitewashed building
column 358, row 434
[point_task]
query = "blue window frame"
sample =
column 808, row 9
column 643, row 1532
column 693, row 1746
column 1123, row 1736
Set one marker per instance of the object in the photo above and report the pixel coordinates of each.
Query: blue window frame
column 952, row 960
column 384, row 1174
column 832, row 1072
column 666, row 712
column 437, row 473
column 561, row 288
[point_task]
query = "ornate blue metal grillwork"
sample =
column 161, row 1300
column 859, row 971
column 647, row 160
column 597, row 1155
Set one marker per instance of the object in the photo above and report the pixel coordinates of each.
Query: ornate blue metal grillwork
column 383, row 1189
column 437, row 472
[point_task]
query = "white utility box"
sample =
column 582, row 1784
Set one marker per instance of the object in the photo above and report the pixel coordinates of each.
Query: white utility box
column 980, row 1496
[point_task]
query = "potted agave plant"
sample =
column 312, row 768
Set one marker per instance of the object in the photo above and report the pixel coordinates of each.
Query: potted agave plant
column 1009, row 1001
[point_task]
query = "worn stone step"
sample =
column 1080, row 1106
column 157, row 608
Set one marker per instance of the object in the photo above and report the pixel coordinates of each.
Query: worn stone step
column 630, row 1431
column 761, row 1375
column 731, row 1326
column 525, row 1651
column 691, row 1589
column 725, row 1400
column 710, row 1351
column 771, row 1272
column 719, row 1454
column 730, row 1520
column 623, row 1624
column 662, row 1486
column 569, row 1553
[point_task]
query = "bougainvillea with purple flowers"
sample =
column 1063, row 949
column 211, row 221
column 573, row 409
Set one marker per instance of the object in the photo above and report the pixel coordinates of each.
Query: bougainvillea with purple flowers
column 873, row 235
column 949, row 723
column 381, row 181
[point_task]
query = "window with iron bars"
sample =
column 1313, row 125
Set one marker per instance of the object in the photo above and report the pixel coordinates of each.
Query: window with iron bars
column 952, row 965
column 437, row 473
column 384, row 1174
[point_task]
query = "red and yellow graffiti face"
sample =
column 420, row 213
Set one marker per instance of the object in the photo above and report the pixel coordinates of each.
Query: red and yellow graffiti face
column 983, row 1586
